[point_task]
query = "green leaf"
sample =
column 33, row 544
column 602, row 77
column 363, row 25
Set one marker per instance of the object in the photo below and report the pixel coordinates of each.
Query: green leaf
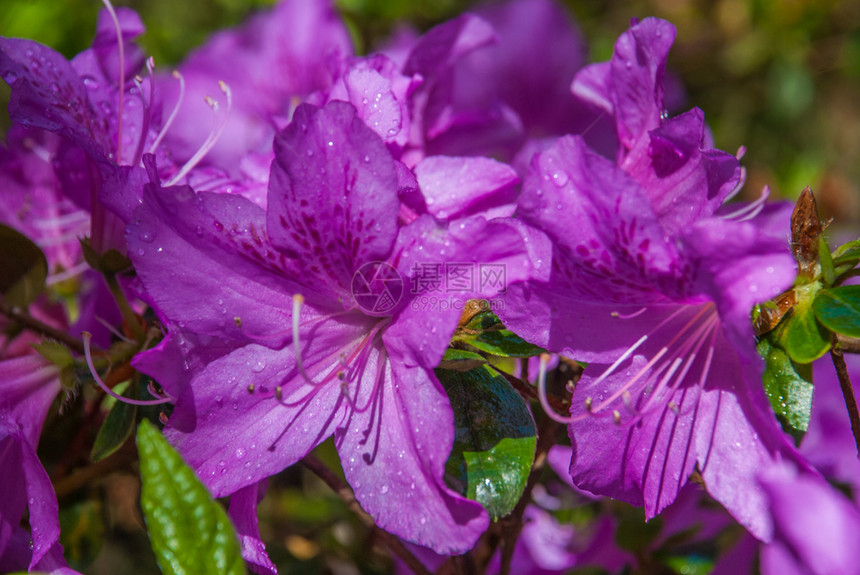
column 847, row 253
column 788, row 386
column 55, row 352
column 799, row 333
column 189, row 531
column 825, row 259
column 461, row 360
column 839, row 309
column 116, row 428
column 23, row 268
column 690, row 564
column 494, row 442
column 485, row 332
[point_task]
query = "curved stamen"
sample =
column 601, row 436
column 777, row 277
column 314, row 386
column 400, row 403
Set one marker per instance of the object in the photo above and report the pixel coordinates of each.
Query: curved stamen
column 121, row 48
column 544, row 402
column 210, row 141
column 173, row 112
column 86, row 337
column 750, row 210
column 77, row 218
column 298, row 301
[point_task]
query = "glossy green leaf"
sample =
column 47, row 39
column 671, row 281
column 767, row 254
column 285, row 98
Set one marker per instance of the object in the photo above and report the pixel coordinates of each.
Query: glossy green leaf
column 847, row 253
column 190, row 532
column 494, row 441
column 23, row 268
column 788, row 386
column 839, row 309
column 116, row 428
column 461, row 360
column 799, row 333
column 485, row 332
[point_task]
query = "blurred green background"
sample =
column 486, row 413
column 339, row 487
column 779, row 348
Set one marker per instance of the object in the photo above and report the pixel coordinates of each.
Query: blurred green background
column 779, row 77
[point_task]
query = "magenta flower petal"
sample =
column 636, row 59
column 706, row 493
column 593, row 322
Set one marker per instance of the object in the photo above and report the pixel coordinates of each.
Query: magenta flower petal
column 332, row 194
column 815, row 524
column 456, row 187
column 243, row 512
column 394, row 455
column 47, row 93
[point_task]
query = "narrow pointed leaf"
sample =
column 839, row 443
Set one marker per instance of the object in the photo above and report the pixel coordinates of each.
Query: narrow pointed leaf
column 190, row 532
column 839, row 309
column 116, row 428
column 494, row 443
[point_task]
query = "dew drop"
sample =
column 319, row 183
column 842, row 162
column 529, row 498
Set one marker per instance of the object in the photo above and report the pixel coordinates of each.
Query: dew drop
column 146, row 237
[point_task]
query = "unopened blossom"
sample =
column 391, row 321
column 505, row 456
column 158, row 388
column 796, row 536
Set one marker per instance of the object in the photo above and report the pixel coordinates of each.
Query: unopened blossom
column 652, row 285
column 299, row 355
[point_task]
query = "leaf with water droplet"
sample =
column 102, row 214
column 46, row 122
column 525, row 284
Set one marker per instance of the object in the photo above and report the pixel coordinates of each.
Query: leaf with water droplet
column 23, row 268
column 839, row 309
column 495, row 439
column 190, row 532
column 788, row 386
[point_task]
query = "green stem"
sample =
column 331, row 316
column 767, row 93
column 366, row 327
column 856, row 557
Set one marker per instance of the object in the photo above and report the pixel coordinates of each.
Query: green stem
column 128, row 314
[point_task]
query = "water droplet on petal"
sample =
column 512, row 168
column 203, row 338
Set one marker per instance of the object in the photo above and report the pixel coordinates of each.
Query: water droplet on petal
column 146, row 237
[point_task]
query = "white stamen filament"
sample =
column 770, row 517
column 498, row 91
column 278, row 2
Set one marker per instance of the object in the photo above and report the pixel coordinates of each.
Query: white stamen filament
column 64, row 275
column 173, row 112
column 298, row 301
column 544, row 402
column 750, row 210
column 211, row 139
column 86, row 337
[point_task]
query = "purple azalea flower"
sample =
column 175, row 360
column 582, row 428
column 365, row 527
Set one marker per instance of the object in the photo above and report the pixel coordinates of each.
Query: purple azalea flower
column 270, row 63
column 653, row 287
column 517, row 88
column 80, row 101
column 29, row 385
column 817, row 529
column 300, row 352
